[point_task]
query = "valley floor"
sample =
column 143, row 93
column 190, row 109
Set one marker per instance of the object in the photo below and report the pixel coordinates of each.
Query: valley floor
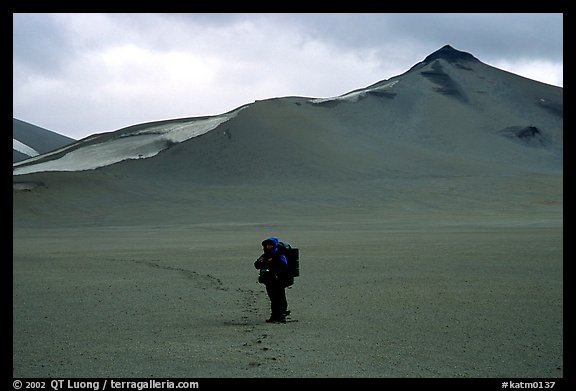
column 417, row 298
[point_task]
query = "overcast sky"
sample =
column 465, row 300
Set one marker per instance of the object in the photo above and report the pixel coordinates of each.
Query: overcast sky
column 79, row 74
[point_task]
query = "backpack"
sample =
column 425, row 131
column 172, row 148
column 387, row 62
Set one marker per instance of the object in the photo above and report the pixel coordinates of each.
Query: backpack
column 293, row 257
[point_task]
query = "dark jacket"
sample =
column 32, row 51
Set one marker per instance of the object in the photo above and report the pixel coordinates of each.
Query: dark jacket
column 272, row 261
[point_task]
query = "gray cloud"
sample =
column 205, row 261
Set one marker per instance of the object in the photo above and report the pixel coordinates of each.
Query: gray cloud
column 78, row 74
column 40, row 44
column 488, row 35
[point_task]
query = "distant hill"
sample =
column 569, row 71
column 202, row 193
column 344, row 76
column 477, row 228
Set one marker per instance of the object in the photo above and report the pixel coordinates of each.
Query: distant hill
column 31, row 140
column 451, row 133
column 447, row 112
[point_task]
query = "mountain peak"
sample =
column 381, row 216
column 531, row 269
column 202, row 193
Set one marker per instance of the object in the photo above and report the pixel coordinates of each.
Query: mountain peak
column 449, row 54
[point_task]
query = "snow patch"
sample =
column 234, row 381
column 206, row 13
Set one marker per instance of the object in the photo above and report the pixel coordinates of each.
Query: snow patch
column 355, row 95
column 23, row 148
column 141, row 144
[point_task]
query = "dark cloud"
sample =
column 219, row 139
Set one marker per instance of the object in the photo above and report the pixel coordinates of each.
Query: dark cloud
column 93, row 72
column 40, row 44
column 489, row 35
column 494, row 35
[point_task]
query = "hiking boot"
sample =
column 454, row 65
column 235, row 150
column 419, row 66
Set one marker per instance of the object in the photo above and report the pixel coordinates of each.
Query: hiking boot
column 276, row 319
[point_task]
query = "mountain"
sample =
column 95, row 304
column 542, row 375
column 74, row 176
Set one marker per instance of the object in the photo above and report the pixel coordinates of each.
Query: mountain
column 450, row 102
column 450, row 116
column 30, row 140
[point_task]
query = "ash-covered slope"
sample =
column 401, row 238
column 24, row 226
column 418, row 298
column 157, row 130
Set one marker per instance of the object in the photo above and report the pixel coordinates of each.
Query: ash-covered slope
column 449, row 116
column 449, row 106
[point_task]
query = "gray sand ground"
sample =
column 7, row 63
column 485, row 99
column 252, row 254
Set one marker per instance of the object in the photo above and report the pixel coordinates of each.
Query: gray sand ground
column 412, row 296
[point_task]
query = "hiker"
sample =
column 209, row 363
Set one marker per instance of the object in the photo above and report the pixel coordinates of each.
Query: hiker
column 273, row 273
